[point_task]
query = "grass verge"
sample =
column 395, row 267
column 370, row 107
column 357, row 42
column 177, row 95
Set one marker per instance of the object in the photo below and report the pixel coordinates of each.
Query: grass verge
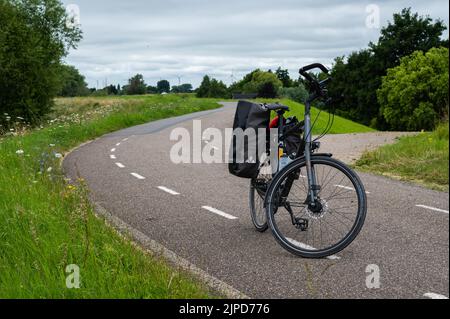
column 47, row 224
column 422, row 159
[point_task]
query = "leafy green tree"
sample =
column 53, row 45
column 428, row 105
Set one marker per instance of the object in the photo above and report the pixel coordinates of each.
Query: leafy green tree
column 283, row 76
column 212, row 88
column 152, row 89
column 357, row 79
column 218, row 89
column 183, row 88
column 34, row 37
column 407, row 33
column 414, row 95
column 163, row 86
column 266, row 84
column 72, row 82
column 203, row 90
column 136, row 85
column 111, row 90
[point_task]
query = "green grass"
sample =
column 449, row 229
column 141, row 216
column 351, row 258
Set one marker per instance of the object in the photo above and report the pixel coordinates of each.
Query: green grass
column 340, row 126
column 422, row 159
column 47, row 224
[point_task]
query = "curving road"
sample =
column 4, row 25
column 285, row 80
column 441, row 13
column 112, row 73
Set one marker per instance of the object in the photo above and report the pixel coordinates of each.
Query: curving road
column 201, row 213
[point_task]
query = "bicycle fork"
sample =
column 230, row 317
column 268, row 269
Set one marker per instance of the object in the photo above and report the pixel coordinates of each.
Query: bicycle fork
column 313, row 188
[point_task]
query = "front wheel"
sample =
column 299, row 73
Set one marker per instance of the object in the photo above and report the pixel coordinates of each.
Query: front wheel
column 324, row 229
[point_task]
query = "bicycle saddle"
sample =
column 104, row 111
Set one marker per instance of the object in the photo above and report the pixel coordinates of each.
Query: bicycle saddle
column 276, row 107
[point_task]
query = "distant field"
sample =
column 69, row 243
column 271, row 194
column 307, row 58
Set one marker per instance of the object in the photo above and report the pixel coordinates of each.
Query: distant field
column 422, row 159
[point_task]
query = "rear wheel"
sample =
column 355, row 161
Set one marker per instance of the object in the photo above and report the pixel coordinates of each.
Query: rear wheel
column 322, row 230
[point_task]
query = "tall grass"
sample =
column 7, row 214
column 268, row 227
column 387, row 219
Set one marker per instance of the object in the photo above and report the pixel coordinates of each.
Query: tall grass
column 47, row 224
column 422, row 158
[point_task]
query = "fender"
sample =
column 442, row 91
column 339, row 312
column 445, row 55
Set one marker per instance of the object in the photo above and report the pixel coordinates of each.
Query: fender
column 314, row 155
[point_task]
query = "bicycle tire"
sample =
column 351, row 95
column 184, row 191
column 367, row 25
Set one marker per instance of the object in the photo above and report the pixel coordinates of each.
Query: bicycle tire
column 257, row 209
column 344, row 242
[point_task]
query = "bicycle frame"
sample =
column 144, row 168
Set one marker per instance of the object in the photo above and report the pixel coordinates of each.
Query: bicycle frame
column 313, row 188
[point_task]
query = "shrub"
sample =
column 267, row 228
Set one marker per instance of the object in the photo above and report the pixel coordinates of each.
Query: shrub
column 297, row 94
column 414, row 95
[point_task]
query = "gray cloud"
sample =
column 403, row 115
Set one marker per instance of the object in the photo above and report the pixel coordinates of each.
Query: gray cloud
column 190, row 38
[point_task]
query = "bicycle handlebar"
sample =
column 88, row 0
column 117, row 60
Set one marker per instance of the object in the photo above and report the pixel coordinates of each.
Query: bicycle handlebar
column 304, row 70
column 316, row 85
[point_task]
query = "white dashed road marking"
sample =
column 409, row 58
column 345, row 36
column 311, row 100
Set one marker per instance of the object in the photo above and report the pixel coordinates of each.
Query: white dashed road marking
column 349, row 188
column 112, row 156
column 137, row 176
column 120, row 165
column 118, row 144
column 168, row 190
column 218, row 212
column 433, row 208
column 125, row 139
column 305, row 246
column 113, row 150
column 432, row 295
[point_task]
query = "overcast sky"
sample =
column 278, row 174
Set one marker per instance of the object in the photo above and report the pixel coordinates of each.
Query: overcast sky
column 225, row 39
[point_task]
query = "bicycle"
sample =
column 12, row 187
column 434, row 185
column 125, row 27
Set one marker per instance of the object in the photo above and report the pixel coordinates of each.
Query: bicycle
column 308, row 204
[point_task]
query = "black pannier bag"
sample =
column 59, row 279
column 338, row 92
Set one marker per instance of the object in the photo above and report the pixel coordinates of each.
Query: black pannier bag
column 248, row 116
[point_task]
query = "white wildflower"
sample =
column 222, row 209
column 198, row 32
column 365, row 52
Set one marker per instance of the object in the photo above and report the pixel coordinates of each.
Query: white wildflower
column 49, row 169
column 20, row 152
column 52, row 145
column 58, row 155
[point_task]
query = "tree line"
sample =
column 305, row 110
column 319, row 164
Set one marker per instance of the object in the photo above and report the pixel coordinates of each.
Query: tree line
column 398, row 83
column 74, row 84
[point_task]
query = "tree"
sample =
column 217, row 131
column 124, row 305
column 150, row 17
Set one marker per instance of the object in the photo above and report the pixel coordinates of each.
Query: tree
column 407, row 33
column 111, row 90
column 163, row 86
column 136, row 85
column 183, row 88
column 414, row 95
column 218, row 89
column 283, row 76
column 212, row 88
column 203, row 90
column 72, row 83
column 359, row 78
column 152, row 89
column 34, row 37
column 265, row 84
